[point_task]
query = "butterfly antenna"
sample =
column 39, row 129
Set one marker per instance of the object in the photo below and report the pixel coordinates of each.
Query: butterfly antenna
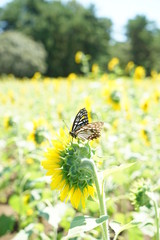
column 66, row 125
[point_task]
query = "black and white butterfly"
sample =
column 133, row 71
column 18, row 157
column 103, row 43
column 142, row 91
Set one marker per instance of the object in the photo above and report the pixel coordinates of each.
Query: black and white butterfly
column 84, row 130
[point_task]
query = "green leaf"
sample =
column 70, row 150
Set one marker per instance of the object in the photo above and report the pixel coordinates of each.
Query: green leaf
column 116, row 169
column 118, row 228
column 135, row 233
column 6, row 224
column 82, row 224
column 54, row 214
column 16, row 202
column 5, row 170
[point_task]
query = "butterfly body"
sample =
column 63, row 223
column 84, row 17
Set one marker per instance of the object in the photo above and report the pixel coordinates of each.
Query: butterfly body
column 84, row 130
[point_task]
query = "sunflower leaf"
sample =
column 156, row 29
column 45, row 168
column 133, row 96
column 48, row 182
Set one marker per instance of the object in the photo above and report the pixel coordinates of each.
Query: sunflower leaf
column 118, row 228
column 116, row 169
column 83, row 224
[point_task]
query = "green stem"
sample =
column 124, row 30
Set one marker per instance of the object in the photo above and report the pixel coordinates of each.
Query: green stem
column 103, row 210
column 116, row 235
column 90, row 165
column 157, row 218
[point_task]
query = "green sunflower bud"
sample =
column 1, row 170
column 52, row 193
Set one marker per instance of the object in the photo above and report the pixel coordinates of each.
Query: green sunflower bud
column 115, row 96
column 139, row 194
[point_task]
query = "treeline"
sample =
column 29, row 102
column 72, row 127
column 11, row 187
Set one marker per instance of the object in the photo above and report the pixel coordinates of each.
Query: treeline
column 45, row 36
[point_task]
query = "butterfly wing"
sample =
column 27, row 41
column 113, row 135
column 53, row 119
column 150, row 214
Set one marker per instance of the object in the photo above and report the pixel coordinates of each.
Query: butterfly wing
column 80, row 120
column 90, row 131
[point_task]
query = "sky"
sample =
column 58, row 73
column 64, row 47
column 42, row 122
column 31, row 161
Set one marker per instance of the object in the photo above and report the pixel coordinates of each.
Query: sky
column 119, row 11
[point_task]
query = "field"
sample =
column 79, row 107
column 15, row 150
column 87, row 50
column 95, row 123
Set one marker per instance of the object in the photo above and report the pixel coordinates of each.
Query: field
column 32, row 111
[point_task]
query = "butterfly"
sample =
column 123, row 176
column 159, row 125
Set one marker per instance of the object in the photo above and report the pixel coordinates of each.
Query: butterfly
column 84, row 130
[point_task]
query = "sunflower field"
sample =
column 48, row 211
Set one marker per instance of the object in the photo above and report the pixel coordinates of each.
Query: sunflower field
column 46, row 192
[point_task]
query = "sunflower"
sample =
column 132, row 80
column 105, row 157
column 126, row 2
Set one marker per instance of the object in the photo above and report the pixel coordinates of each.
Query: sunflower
column 139, row 73
column 113, row 63
column 9, row 122
column 63, row 162
column 39, row 132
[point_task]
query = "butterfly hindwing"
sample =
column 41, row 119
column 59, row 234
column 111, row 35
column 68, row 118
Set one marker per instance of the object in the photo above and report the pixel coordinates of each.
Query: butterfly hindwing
column 90, row 131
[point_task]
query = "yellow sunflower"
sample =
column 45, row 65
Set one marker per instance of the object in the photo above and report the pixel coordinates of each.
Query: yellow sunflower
column 63, row 162
column 113, row 64
column 39, row 132
column 8, row 122
column 78, row 57
column 139, row 73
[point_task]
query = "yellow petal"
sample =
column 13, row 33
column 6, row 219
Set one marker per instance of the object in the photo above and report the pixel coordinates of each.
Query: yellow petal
column 51, row 154
column 58, row 145
column 83, row 201
column 55, row 182
column 56, row 174
column 64, row 192
column 51, row 172
column 48, row 165
column 61, row 185
column 91, row 190
column 75, row 198
column 70, row 194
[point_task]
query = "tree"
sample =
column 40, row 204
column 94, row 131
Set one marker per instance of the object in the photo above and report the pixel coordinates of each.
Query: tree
column 20, row 55
column 63, row 29
column 121, row 50
column 156, row 50
column 140, row 35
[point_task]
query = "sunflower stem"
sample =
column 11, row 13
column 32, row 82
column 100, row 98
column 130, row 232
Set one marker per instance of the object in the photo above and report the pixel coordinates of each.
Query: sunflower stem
column 157, row 218
column 101, row 198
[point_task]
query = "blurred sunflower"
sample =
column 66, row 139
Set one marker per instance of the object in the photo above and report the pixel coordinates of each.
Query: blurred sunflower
column 11, row 96
column 146, row 136
column 113, row 64
column 104, row 78
column 95, row 69
column 112, row 94
column 63, row 162
column 156, row 95
column 145, row 103
column 78, row 57
column 37, row 76
column 129, row 67
column 8, row 122
column 39, row 132
column 72, row 76
column 139, row 73
column 154, row 75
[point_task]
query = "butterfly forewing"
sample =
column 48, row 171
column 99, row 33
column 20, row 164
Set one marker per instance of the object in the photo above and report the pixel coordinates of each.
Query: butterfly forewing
column 80, row 120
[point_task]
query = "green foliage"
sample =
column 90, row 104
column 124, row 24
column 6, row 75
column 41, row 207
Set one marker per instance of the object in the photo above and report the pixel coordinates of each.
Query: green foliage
column 121, row 50
column 7, row 224
column 82, row 224
column 20, row 55
column 140, row 35
column 63, row 29
column 156, row 50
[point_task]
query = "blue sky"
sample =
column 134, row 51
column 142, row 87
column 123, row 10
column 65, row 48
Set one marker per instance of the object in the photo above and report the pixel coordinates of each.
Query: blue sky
column 119, row 11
